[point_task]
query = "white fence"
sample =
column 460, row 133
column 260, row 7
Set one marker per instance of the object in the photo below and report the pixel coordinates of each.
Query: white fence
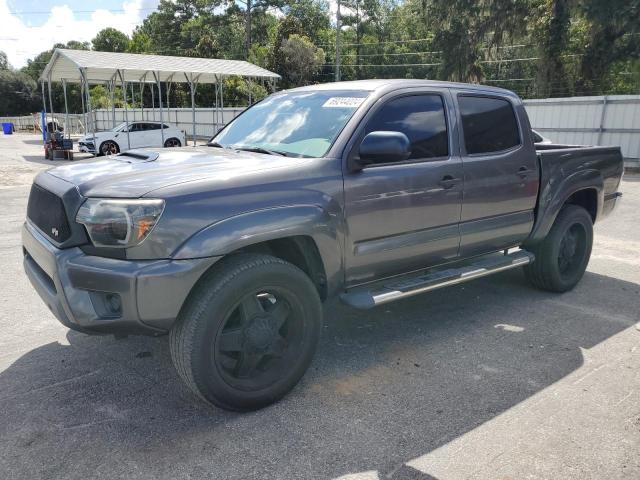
column 206, row 118
column 32, row 123
column 604, row 120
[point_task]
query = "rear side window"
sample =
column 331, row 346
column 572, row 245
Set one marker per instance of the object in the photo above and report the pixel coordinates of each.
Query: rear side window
column 421, row 118
column 489, row 124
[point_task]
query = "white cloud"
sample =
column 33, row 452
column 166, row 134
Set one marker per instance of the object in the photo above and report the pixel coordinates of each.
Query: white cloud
column 21, row 42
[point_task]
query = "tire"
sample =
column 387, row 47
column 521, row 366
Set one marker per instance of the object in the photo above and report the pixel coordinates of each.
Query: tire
column 109, row 148
column 172, row 142
column 562, row 257
column 247, row 332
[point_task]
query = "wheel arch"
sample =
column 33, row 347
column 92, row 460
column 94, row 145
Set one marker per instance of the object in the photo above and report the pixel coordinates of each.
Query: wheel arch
column 584, row 188
column 586, row 198
column 306, row 236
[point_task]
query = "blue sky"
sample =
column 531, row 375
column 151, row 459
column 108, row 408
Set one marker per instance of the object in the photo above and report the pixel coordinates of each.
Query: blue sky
column 34, row 19
column 31, row 26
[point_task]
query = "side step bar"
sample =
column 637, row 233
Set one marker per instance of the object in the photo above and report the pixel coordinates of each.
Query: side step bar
column 431, row 280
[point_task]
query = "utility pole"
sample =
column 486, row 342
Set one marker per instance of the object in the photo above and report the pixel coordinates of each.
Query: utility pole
column 247, row 27
column 338, row 26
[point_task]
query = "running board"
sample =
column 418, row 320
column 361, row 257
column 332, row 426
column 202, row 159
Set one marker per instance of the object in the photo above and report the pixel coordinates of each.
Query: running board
column 431, row 280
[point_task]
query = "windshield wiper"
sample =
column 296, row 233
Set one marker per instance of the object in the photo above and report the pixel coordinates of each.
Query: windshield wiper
column 261, row 150
column 215, row 144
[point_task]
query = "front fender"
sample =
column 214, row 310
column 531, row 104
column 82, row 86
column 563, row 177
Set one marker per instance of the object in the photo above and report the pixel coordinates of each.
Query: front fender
column 554, row 194
column 259, row 226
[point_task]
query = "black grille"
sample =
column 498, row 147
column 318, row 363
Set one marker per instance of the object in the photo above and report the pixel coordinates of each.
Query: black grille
column 46, row 211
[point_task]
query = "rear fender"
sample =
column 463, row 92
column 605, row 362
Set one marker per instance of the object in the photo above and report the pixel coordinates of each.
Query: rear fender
column 553, row 197
column 259, row 226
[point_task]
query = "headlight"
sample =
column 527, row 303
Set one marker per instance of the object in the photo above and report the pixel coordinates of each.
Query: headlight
column 119, row 223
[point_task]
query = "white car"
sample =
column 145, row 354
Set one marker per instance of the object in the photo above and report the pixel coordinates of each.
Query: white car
column 141, row 134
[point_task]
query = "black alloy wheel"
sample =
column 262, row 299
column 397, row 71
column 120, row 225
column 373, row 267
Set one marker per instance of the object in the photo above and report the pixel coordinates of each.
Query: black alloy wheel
column 259, row 339
column 247, row 332
column 573, row 247
column 562, row 257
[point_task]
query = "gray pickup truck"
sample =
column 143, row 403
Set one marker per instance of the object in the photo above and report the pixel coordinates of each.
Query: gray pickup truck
column 372, row 191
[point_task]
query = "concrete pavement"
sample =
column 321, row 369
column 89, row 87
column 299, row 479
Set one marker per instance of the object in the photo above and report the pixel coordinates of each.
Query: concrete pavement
column 488, row 380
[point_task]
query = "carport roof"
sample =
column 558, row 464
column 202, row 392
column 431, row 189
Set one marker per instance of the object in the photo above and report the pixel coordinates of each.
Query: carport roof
column 102, row 66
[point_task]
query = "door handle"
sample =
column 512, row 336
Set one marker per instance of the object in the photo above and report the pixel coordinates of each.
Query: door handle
column 524, row 172
column 448, row 181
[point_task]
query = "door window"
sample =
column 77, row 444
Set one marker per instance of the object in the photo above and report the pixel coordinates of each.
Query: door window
column 489, row 124
column 421, row 118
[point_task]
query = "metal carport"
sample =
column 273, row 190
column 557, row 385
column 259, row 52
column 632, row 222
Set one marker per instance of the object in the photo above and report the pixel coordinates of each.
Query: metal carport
column 88, row 67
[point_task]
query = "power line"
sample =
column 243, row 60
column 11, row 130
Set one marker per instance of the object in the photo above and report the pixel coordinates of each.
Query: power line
column 390, row 54
column 503, row 60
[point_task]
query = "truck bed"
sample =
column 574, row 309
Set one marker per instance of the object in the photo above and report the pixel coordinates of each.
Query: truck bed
column 564, row 168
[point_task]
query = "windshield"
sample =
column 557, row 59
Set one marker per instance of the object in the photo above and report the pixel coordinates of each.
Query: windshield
column 301, row 124
column 119, row 127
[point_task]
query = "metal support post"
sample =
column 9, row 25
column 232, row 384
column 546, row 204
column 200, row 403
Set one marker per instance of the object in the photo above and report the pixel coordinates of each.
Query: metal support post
column 50, row 99
column 83, row 73
column 126, row 110
column 44, row 110
column 66, row 109
column 156, row 76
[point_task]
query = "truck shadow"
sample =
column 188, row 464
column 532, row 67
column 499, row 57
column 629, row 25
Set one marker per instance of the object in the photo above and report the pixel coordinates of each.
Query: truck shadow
column 387, row 386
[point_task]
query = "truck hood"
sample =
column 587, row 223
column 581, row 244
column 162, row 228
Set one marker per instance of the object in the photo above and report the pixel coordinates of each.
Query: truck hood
column 138, row 173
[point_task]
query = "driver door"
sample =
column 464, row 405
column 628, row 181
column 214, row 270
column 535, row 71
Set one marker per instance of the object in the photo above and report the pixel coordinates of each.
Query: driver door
column 405, row 215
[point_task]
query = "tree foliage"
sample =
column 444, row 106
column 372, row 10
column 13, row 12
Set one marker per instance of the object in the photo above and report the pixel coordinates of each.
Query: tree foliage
column 110, row 40
column 4, row 62
column 18, row 93
column 301, row 60
column 538, row 48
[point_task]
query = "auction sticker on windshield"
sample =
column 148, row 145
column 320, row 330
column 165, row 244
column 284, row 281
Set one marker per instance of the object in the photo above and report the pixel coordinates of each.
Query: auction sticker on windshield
column 343, row 102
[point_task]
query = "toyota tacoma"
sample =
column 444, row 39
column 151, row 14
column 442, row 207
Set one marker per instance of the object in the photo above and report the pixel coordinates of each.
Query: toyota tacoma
column 371, row 191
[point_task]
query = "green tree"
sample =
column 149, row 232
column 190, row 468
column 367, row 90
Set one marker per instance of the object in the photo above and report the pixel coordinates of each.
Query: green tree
column 301, row 60
column 462, row 27
column 551, row 27
column 613, row 35
column 286, row 27
column 140, row 42
column 110, row 40
column 18, row 93
column 4, row 61
column 251, row 8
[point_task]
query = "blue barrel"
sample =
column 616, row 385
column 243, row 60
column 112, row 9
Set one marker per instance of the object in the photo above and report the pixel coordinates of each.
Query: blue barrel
column 7, row 128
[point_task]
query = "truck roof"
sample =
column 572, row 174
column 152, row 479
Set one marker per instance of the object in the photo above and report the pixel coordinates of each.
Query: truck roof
column 392, row 83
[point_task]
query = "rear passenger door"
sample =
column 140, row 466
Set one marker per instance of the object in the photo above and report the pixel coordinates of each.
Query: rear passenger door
column 500, row 173
column 152, row 135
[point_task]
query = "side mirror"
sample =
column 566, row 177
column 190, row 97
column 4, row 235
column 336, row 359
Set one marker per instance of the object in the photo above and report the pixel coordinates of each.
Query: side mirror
column 384, row 147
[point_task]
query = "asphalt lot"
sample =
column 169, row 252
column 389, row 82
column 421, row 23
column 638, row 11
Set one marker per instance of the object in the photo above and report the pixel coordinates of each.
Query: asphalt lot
column 488, row 380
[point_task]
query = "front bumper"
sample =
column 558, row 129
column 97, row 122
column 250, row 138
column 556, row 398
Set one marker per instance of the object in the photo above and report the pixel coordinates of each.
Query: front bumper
column 86, row 147
column 73, row 285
